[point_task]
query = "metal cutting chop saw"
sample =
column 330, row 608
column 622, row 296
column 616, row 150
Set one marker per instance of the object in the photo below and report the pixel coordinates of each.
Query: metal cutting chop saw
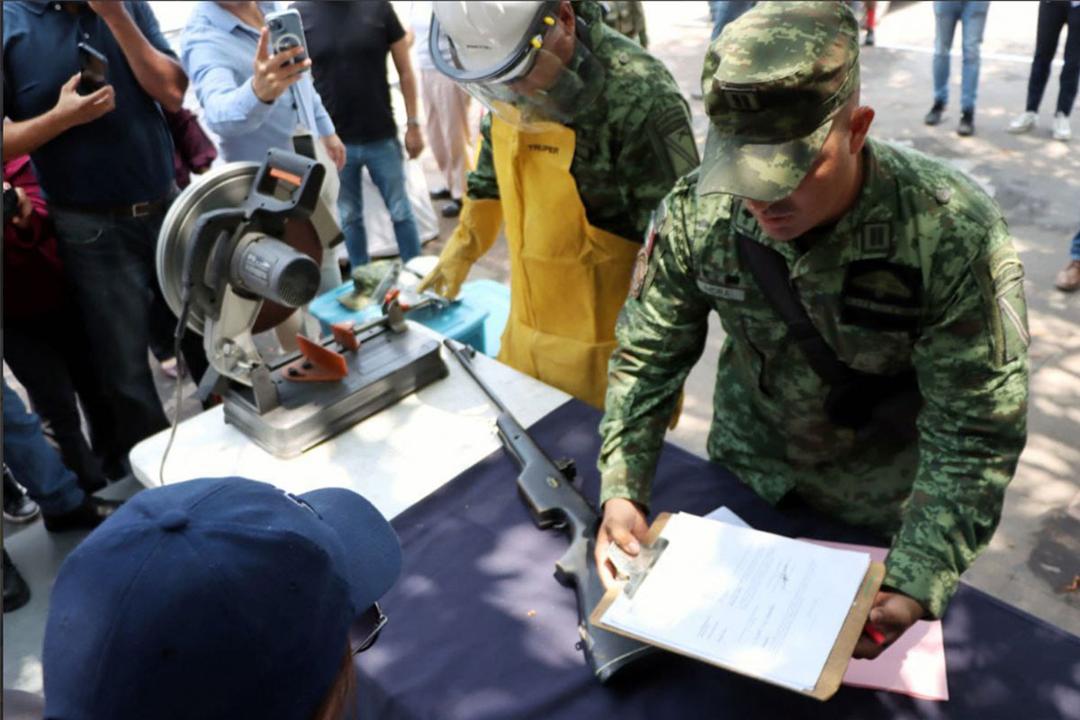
column 239, row 252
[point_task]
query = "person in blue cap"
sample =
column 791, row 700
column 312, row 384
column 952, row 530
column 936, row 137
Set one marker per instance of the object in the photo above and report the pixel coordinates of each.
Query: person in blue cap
column 219, row 598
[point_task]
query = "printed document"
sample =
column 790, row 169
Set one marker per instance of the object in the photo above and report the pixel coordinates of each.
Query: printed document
column 761, row 604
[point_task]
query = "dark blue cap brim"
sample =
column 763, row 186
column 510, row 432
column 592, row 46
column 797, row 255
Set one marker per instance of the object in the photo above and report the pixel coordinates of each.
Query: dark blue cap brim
column 372, row 550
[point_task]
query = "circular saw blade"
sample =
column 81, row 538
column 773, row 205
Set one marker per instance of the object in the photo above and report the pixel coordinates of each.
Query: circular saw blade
column 223, row 187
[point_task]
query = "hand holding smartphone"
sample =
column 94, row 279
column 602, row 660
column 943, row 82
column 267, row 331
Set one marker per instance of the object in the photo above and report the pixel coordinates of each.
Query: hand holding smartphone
column 93, row 70
column 287, row 32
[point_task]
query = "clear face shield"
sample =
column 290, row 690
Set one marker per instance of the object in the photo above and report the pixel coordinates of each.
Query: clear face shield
column 548, row 78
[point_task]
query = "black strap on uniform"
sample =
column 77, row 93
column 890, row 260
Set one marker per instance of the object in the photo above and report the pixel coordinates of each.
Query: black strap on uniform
column 770, row 270
column 855, row 398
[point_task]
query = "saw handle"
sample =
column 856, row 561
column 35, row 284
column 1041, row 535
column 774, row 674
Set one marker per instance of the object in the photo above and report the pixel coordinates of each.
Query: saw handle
column 300, row 178
column 207, row 231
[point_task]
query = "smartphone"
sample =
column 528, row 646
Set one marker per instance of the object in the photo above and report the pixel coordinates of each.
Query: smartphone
column 286, row 32
column 93, row 70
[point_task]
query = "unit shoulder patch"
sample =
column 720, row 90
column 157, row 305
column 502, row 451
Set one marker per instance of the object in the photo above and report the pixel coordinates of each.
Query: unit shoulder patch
column 641, row 275
column 1001, row 277
column 672, row 138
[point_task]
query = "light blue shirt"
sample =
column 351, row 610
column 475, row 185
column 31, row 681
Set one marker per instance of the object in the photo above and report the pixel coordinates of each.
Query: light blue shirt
column 217, row 50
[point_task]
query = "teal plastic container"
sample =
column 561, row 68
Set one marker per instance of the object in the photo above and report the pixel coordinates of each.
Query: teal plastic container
column 477, row 317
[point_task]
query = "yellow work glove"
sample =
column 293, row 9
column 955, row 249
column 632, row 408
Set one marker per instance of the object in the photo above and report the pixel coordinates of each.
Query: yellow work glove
column 474, row 236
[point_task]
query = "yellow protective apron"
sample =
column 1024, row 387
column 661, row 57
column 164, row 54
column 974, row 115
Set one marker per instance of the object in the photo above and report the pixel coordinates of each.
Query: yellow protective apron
column 568, row 279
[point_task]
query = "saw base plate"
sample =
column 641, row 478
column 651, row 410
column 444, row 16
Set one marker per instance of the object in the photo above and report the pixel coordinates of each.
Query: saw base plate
column 387, row 367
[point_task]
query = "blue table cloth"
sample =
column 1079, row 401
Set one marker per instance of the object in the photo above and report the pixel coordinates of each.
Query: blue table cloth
column 479, row 628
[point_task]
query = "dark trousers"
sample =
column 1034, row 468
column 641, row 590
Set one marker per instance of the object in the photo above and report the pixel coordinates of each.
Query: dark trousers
column 48, row 354
column 1053, row 16
column 109, row 264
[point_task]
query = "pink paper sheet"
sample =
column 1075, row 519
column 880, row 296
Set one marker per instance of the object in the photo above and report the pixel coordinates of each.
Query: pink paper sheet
column 914, row 665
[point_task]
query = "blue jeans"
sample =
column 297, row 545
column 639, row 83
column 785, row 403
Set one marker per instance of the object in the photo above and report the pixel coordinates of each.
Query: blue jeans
column 725, row 11
column 972, row 15
column 34, row 462
column 387, row 168
column 109, row 263
column 1075, row 250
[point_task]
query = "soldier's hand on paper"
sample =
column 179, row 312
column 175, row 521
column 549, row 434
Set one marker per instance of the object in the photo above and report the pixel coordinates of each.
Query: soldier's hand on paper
column 624, row 524
column 892, row 613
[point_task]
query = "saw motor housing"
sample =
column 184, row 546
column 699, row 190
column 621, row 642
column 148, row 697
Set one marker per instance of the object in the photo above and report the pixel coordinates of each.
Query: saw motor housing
column 235, row 261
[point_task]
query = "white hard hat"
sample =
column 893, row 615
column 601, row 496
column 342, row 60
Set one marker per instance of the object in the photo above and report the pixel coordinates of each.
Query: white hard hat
column 486, row 34
column 492, row 49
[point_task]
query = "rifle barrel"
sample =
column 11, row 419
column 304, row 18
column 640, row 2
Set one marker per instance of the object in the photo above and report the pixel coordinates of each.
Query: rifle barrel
column 466, row 362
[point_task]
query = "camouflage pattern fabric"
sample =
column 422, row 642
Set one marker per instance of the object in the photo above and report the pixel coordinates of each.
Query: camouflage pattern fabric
column 628, row 18
column 772, row 83
column 632, row 143
column 920, row 274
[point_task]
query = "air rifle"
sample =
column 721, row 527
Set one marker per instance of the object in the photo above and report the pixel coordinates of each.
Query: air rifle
column 554, row 502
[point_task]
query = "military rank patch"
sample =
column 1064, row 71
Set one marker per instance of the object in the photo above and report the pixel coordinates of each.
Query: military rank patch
column 881, row 295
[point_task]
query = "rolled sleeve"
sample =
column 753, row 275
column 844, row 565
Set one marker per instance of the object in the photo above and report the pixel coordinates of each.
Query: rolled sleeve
column 230, row 108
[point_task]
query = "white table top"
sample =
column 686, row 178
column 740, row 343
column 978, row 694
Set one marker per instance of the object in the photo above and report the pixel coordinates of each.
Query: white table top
column 393, row 458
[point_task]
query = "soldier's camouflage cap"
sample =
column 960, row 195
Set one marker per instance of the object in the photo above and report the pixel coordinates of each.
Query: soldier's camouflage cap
column 772, row 83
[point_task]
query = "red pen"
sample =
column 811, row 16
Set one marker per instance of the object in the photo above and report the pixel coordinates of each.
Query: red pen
column 871, row 630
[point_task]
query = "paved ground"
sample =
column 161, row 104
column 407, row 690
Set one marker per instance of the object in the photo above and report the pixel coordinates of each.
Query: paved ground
column 1036, row 551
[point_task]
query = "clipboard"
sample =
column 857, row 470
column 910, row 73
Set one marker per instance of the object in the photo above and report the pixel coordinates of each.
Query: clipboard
column 832, row 672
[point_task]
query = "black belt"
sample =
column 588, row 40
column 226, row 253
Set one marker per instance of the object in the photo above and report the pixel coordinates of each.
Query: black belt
column 135, row 210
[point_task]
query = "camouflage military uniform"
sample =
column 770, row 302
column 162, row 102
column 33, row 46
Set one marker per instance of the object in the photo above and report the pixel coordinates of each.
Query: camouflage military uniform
column 628, row 18
column 633, row 142
column 921, row 275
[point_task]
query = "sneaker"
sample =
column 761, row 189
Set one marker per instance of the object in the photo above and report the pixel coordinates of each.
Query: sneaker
column 16, row 591
column 451, row 209
column 18, row 508
column 1062, row 131
column 1068, row 280
column 869, row 40
column 966, row 128
column 443, row 194
column 1023, row 123
column 936, row 112
column 92, row 512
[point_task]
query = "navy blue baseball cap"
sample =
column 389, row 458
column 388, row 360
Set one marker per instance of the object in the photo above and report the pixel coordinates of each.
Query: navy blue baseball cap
column 214, row 598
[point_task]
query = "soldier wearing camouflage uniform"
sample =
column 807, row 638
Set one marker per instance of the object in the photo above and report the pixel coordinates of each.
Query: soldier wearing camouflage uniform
column 575, row 185
column 909, row 281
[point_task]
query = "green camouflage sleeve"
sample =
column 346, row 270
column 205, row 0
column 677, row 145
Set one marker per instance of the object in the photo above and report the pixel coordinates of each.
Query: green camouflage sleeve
column 481, row 183
column 661, row 334
column 658, row 149
column 972, row 368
